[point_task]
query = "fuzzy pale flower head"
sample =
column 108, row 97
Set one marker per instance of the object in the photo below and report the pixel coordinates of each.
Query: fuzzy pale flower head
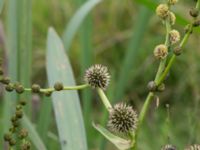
column 193, row 147
column 172, row 2
column 122, row 119
column 172, row 18
column 162, row 11
column 168, row 147
column 160, row 51
column 97, row 76
column 174, row 36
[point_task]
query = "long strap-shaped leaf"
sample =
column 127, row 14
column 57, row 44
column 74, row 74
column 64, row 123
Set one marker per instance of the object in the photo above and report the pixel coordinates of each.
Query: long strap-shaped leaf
column 66, row 104
column 76, row 21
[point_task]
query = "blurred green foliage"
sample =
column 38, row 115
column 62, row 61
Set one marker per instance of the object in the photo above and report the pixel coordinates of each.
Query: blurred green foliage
column 121, row 35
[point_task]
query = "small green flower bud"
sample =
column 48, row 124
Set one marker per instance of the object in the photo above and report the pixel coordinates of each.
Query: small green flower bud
column 19, row 88
column 35, row 88
column 162, row 11
column 174, row 36
column 25, row 146
column 172, row 2
column 161, row 87
column 7, row 137
column 48, row 93
column 122, row 119
column 12, row 142
column 9, row 87
column 177, row 50
column 193, row 147
column 196, row 23
column 22, row 102
column 58, row 86
column 23, row 133
column 152, row 86
column 160, row 51
column 5, row 80
column 168, row 147
column 194, row 12
column 19, row 113
column 172, row 18
column 97, row 76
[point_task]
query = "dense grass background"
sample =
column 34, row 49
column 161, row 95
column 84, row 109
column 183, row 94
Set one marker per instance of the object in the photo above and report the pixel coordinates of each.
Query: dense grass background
column 119, row 34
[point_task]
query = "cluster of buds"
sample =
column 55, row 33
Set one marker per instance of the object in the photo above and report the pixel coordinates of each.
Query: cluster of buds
column 15, row 131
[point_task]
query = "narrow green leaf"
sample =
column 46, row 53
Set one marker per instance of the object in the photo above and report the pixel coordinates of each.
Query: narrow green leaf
column 1, row 5
column 76, row 21
column 120, row 143
column 33, row 135
column 66, row 104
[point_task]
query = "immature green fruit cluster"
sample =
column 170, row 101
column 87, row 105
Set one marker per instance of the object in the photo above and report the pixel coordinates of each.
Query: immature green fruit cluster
column 161, row 51
column 35, row 88
column 168, row 147
column 162, row 11
column 97, row 76
column 193, row 147
column 122, row 119
column 172, row 2
column 174, row 36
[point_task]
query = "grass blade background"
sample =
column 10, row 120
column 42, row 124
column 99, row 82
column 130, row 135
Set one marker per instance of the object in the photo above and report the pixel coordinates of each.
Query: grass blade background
column 76, row 21
column 66, row 104
column 1, row 5
column 34, row 136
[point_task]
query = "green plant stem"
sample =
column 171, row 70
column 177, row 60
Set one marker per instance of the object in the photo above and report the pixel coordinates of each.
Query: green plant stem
column 104, row 99
column 78, row 87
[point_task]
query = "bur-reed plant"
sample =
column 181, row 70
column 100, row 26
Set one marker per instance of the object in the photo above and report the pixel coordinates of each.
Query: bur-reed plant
column 124, row 123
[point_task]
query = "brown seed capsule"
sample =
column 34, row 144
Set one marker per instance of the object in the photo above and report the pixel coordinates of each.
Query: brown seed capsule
column 58, row 86
column 196, row 23
column 19, row 113
column 22, row 102
column 35, row 88
column 177, row 50
column 194, row 12
column 48, row 93
column 152, row 86
column 7, row 136
column 23, row 133
column 12, row 142
column 5, row 80
column 19, row 89
column 9, row 87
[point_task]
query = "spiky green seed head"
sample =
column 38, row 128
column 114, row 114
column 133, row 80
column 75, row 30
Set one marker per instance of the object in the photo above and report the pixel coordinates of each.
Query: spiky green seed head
column 168, row 147
column 97, row 76
column 58, row 86
column 7, row 137
column 193, row 147
column 160, row 51
column 19, row 88
column 174, row 36
column 9, row 87
column 162, row 11
column 12, row 142
column 122, row 119
column 23, row 133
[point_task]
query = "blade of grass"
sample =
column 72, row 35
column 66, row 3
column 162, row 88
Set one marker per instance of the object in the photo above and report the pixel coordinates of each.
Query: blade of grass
column 76, row 22
column 44, row 120
column 1, row 5
column 132, row 52
column 34, row 136
column 66, row 104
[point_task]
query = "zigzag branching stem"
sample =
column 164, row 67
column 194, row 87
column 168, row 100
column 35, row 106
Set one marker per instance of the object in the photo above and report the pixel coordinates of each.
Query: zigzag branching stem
column 163, row 71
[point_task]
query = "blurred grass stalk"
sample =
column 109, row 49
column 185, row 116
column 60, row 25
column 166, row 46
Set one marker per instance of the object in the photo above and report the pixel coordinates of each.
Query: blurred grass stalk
column 18, row 43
